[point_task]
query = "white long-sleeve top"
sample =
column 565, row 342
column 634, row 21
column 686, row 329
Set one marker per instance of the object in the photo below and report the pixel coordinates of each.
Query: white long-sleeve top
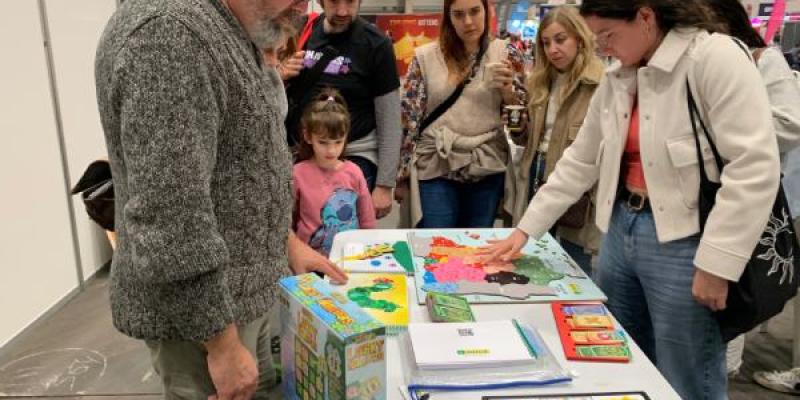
column 783, row 90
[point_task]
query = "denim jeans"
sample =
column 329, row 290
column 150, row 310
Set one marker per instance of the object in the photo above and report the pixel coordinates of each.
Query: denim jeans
column 649, row 289
column 367, row 167
column 450, row 204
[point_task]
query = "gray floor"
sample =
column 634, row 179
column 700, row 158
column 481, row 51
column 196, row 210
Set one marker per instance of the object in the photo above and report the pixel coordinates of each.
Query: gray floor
column 76, row 354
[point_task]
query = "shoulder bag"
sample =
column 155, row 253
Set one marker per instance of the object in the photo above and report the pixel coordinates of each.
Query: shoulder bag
column 770, row 278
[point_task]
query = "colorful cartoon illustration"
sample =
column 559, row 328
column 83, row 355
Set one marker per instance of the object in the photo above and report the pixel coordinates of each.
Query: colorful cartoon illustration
column 364, row 390
column 361, row 295
column 370, row 251
column 450, row 261
column 384, row 296
column 309, row 375
column 376, row 257
column 338, row 215
column 340, row 65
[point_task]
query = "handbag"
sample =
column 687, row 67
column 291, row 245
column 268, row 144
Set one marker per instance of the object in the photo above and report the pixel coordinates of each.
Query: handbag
column 97, row 192
column 575, row 216
column 770, row 277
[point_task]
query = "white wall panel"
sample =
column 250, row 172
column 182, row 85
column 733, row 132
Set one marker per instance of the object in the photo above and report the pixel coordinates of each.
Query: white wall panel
column 74, row 34
column 37, row 263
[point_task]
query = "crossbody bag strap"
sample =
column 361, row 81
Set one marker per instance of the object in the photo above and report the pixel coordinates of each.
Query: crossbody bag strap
column 306, row 32
column 694, row 117
column 445, row 105
column 694, row 112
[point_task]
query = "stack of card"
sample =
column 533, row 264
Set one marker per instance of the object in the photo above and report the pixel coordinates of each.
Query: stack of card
column 444, row 307
column 588, row 333
column 469, row 345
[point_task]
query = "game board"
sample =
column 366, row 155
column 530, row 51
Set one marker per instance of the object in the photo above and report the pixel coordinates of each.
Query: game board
column 384, row 296
column 447, row 261
column 375, row 256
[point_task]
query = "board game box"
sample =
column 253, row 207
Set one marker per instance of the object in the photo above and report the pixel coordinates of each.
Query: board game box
column 330, row 348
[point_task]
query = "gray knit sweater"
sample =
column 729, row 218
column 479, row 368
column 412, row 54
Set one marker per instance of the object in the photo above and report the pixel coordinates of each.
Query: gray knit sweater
column 202, row 173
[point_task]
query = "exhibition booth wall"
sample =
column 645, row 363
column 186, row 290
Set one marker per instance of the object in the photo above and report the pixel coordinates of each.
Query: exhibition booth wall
column 49, row 132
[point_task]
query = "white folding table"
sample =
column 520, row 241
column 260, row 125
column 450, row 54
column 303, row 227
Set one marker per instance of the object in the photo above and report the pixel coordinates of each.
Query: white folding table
column 637, row 375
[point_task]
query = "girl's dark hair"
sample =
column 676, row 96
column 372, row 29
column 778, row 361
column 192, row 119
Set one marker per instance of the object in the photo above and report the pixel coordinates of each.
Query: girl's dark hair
column 733, row 20
column 455, row 53
column 669, row 13
column 327, row 117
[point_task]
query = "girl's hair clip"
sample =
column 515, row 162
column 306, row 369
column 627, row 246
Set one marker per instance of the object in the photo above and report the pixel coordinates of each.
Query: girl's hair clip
column 330, row 98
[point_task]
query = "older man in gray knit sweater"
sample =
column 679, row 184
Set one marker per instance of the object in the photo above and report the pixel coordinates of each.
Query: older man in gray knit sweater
column 202, row 178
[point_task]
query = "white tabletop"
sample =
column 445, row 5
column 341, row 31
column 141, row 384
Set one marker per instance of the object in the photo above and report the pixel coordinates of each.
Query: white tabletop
column 637, row 375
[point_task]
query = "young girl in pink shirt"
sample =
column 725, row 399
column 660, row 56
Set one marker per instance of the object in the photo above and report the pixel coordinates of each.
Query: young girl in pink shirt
column 331, row 194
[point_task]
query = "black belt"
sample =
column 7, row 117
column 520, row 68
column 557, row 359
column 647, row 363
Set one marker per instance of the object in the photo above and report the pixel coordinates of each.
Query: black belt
column 634, row 201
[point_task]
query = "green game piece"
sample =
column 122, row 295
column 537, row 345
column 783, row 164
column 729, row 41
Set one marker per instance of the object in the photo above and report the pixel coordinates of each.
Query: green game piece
column 448, row 308
column 447, row 314
column 615, row 352
column 447, row 300
column 402, row 253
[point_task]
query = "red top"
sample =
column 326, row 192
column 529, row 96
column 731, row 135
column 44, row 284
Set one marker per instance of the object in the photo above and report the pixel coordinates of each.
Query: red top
column 632, row 160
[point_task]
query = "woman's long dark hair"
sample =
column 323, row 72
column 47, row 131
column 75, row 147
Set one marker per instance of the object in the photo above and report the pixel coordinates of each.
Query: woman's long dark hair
column 733, row 20
column 669, row 13
column 455, row 54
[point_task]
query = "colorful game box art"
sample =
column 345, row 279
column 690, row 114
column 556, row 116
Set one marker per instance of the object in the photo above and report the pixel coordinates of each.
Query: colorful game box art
column 449, row 261
column 330, row 348
column 383, row 296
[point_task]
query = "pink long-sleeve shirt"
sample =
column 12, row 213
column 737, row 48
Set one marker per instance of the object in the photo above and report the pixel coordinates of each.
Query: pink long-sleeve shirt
column 328, row 202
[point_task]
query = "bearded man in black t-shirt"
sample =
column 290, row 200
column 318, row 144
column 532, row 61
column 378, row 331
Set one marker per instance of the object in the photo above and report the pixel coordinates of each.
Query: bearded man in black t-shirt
column 360, row 65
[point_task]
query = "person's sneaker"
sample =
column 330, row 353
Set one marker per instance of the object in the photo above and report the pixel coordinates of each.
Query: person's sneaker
column 780, row 381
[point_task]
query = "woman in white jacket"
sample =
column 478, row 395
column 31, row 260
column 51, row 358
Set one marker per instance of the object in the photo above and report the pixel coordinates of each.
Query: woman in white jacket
column 662, row 275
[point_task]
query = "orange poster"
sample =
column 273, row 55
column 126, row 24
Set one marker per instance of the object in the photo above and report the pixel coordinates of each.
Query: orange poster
column 408, row 31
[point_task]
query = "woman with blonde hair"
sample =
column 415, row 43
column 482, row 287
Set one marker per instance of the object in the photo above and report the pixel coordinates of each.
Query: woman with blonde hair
column 564, row 78
column 455, row 153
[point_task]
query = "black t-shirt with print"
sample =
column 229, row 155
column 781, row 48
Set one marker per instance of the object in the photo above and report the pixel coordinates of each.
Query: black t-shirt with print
column 364, row 69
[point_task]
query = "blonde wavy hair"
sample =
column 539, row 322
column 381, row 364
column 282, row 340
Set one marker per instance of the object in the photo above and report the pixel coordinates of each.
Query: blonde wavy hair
column 544, row 72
